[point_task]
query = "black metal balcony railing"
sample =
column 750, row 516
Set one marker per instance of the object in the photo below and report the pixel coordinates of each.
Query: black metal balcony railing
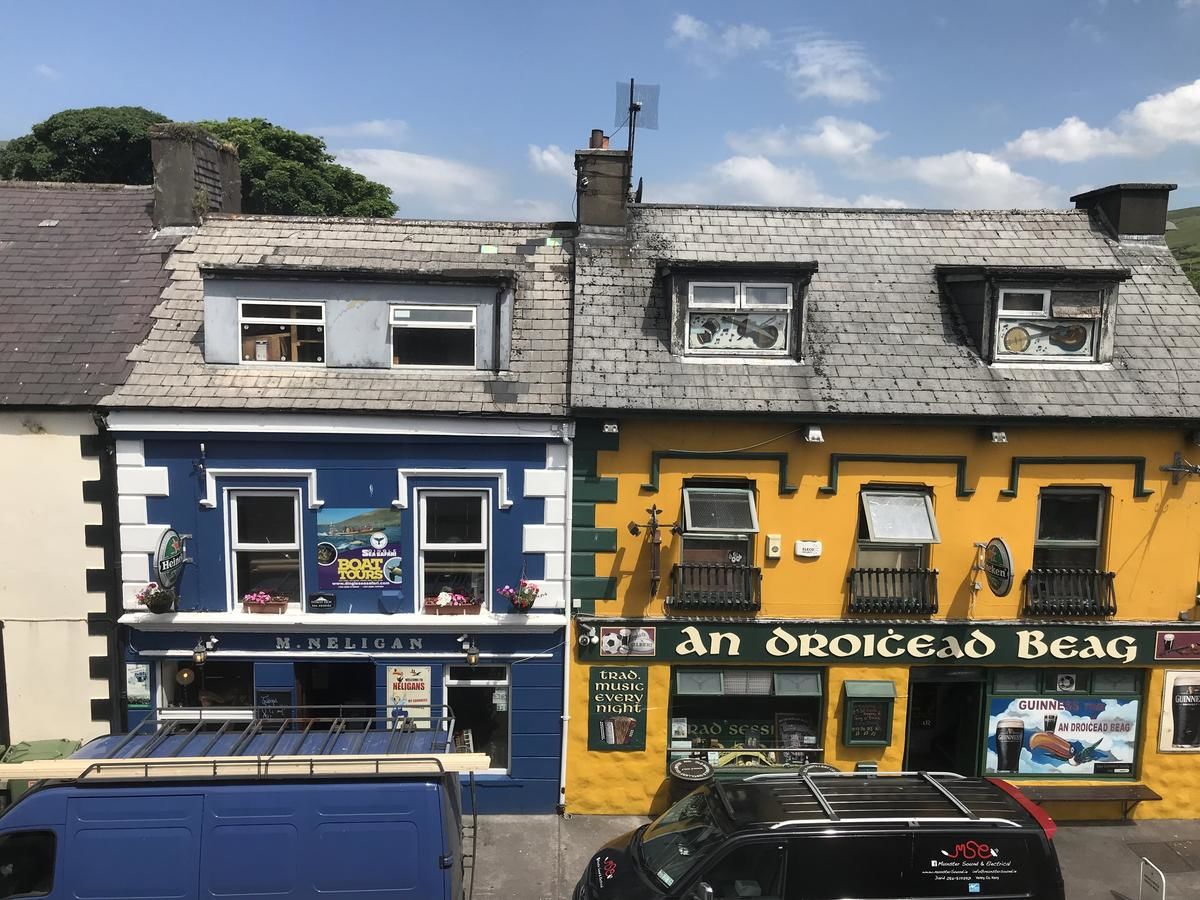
column 903, row 591
column 696, row 586
column 1069, row 592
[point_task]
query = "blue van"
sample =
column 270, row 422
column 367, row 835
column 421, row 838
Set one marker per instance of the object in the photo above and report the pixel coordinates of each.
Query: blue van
column 138, row 835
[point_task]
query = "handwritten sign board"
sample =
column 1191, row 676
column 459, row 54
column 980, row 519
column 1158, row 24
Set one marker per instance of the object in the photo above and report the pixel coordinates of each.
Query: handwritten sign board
column 617, row 708
column 273, row 704
column 867, row 713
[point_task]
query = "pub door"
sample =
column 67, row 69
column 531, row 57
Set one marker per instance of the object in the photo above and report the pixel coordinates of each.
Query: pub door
column 945, row 720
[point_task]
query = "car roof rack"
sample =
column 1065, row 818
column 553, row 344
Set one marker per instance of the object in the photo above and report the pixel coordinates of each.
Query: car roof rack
column 258, row 767
column 783, row 799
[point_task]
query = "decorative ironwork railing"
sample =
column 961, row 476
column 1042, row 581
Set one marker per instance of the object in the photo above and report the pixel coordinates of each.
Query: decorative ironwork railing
column 1069, row 592
column 704, row 586
column 896, row 591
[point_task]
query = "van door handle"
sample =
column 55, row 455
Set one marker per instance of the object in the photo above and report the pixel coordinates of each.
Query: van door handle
column 446, row 860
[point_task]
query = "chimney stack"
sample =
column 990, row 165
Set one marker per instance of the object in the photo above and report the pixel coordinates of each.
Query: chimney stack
column 601, row 183
column 1131, row 209
column 194, row 174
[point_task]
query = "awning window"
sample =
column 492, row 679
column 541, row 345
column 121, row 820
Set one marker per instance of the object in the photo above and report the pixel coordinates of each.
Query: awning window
column 756, row 682
column 719, row 510
column 899, row 517
column 873, row 689
column 798, row 684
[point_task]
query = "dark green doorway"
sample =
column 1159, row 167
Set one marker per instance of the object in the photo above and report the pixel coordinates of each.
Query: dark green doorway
column 945, row 720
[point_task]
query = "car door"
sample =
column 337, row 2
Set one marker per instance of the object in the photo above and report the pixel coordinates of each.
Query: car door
column 747, row 868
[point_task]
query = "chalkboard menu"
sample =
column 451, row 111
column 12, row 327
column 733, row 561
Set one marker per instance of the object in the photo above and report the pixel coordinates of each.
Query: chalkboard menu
column 867, row 714
column 273, row 704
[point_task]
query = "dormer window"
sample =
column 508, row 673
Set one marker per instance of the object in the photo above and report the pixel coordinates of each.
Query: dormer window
column 433, row 336
column 275, row 331
column 739, row 318
column 1047, row 325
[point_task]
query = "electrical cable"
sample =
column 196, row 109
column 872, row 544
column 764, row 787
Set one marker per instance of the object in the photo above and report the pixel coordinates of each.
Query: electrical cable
column 749, row 446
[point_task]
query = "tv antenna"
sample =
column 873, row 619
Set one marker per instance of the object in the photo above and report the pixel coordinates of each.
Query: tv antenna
column 637, row 105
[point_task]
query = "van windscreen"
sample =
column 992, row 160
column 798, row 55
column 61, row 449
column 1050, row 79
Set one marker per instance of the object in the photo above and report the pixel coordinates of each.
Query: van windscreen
column 681, row 837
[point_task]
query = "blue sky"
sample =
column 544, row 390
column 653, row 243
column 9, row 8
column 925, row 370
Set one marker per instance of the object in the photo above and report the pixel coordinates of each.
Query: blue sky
column 474, row 108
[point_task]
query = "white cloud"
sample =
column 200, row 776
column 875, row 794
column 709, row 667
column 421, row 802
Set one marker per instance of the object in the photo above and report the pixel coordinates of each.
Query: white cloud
column 876, row 201
column 445, row 186
column 751, row 180
column 1151, row 126
column 372, row 129
column 1072, row 140
column 965, row 179
column 48, row 72
column 705, row 43
column 552, row 160
column 838, row 139
column 838, row 71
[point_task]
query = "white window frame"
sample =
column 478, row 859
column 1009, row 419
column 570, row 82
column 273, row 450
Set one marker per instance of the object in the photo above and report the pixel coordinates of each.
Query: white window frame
column 441, row 326
column 163, row 712
column 485, row 532
column 448, row 682
column 691, row 529
column 232, row 495
column 243, row 319
column 1001, row 355
column 739, row 304
column 1101, row 496
column 900, row 542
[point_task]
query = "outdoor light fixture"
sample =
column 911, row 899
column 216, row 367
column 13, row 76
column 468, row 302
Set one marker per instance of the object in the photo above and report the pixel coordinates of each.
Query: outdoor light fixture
column 612, row 428
column 201, row 650
column 998, row 437
column 472, row 654
column 813, row 435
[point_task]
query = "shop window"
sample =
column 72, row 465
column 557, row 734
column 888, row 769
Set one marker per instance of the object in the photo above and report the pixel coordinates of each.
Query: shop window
column 1083, row 723
column 1067, row 578
column 265, row 544
column 478, row 698
column 216, row 684
column 433, row 336
column 275, row 331
column 325, row 689
column 896, row 529
column 27, row 864
column 715, row 569
column 454, row 544
column 747, row 717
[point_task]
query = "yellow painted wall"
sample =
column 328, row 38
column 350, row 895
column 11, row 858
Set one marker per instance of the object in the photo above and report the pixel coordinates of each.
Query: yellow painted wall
column 1152, row 544
column 43, row 563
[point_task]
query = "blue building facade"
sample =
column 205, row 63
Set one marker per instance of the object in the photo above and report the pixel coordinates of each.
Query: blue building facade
column 361, row 440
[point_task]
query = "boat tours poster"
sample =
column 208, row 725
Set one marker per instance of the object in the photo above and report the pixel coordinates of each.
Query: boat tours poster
column 358, row 548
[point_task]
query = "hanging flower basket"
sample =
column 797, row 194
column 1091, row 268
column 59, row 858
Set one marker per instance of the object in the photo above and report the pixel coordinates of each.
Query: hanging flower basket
column 157, row 599
column 262, row 603
column 448, row 603
column 522, row 597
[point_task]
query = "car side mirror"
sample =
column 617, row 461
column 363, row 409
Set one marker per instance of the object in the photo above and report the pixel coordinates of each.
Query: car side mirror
column 703, row 891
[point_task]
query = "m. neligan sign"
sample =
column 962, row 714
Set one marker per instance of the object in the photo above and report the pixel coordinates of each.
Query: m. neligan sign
column 926, row 643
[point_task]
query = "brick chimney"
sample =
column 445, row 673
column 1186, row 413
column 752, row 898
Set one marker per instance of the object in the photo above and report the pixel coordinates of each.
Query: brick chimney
column 1133, row 209
column 601, row 183
column 194, row 174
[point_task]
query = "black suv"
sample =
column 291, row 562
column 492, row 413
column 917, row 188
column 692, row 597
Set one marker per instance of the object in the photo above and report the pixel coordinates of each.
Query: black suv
column 835, row 835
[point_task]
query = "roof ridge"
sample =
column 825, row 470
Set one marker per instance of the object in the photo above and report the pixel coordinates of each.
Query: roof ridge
column 897, row 210
column 76, row 185
column 388, row 222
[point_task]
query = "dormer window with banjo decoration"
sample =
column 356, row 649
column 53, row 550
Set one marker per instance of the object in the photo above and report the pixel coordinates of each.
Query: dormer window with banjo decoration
column 1047, row 325
column 738, row 318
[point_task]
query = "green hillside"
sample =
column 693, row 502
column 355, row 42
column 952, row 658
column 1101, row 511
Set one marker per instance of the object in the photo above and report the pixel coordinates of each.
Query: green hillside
column 1184, row 241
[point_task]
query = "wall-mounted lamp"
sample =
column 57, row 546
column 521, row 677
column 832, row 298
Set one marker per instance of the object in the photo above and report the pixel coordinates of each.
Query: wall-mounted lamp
column 201, row 650
column 469, row 648
column 1180, row 468
column 814, row 435
column 997, row 437
column 612, row 428
column 653, row 528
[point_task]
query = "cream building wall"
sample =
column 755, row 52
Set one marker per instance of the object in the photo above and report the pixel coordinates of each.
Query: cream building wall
column 44, row 603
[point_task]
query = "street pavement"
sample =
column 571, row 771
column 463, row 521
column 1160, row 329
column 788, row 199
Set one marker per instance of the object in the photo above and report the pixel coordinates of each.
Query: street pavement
column 541, row 857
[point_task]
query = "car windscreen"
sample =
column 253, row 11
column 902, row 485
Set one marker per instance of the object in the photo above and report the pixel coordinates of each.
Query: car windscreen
column 681, row 837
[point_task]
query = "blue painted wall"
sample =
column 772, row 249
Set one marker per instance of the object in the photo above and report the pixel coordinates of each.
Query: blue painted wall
column 358, row 472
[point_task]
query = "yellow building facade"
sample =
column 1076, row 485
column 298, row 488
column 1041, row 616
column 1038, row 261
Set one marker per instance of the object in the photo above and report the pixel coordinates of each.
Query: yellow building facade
column 769, row 647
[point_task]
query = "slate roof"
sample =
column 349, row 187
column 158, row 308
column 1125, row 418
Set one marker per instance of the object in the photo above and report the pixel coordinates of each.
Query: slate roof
column 80, row 269
column 881, row 340
column 170, row 370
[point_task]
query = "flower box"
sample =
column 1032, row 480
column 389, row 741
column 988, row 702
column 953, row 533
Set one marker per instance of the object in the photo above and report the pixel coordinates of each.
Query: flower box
column 269, row 608
column 451, row 609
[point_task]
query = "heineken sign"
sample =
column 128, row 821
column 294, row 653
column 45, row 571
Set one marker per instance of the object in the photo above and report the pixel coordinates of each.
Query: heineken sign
column 169, row 559
column 927, row 643
column 998, row 567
